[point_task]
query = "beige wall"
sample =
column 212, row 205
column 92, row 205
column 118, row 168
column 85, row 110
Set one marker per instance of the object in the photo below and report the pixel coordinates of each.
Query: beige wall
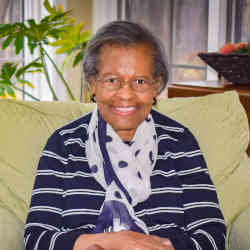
column 82, row 11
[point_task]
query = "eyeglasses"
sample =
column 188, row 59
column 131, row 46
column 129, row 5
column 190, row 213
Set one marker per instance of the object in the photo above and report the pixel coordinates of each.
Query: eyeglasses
column 114, row 83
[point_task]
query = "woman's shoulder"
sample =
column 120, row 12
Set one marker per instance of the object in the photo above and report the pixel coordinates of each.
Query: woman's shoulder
column 176, row 143
column 163, row 121
column 73, row 129
column 171, row 131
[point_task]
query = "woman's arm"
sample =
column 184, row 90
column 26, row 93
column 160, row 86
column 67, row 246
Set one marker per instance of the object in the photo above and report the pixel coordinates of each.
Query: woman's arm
column 44, row 226
column 204, row 223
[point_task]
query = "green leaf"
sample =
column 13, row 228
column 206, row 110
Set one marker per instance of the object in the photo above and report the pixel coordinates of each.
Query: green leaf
column 5, row 28
column 10, row 91
column 85, row 36
column 31, row 22
column 7, row 42
column 55, row 33
column 25, row 82
column 37, row 65
column 45, row 20
column 78, row 58
column 23, row 69
column 20, row 71
column 61, row 16
column 48, row 7
column 2, row 76
column 21, row 25
column 2, row 92
column 34, row 71
column 63, row 49
column 57, row 43
column 4, row 82
column 19, row 42
column 8, row 69
column 46, row 41
column 32, row 45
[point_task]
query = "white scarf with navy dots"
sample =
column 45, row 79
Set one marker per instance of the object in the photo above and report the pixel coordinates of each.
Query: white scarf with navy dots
column 123, row 171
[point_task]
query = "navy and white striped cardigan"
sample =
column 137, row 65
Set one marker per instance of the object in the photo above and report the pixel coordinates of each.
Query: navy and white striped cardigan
column 66, row 198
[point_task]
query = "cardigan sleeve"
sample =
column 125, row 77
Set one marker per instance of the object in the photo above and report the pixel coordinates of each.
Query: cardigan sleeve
column 44, row 228
column 204, row 223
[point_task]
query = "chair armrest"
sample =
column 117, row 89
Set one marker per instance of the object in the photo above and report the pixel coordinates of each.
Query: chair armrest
column 239, row 232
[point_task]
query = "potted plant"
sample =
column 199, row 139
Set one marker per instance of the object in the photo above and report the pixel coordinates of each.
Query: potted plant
column 232, row 62
column 58, row 28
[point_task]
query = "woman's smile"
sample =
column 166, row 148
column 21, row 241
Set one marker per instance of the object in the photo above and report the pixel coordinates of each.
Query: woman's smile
column 124, row 111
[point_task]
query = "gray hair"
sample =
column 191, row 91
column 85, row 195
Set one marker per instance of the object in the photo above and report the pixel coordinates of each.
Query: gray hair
column 124, row 33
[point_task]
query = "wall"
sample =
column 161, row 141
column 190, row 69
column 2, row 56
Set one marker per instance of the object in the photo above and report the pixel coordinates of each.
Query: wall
column 82, row 11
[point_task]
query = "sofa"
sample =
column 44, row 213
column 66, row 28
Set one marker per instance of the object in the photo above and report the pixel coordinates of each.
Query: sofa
column 218, row 121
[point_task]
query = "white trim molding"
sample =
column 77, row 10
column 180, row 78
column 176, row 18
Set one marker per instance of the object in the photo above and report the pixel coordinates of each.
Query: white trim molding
column 217, row 28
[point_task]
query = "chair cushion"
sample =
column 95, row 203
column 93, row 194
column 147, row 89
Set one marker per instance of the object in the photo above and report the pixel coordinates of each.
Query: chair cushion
column 11, row 231
column 220, row 125
column 25, row 128
column 234, row 190
column 239, row 234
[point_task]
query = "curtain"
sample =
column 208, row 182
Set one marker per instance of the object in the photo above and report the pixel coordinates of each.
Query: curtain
column 10, row 12
column 182, row 25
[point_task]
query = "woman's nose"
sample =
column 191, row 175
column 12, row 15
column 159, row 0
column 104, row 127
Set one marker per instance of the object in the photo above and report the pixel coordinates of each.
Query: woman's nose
column 126, row 91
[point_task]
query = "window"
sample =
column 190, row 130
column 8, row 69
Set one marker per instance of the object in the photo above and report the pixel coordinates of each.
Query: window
column 245, row 27
column 185, row 26
column 182, row 25
column 239, row 21
column 10, row 12
column 173, row 28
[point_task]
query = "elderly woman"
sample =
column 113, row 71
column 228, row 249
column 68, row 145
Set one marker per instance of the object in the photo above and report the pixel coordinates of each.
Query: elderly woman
column 124, row 176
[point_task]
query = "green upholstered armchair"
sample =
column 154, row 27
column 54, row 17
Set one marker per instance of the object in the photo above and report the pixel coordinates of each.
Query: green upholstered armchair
column 218, row 121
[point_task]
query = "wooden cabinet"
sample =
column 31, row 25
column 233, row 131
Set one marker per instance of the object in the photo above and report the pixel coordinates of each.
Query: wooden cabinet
column 209, row 87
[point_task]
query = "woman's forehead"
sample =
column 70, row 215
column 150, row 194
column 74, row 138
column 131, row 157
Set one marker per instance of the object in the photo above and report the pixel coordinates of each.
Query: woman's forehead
column 115, row 45
column 115, row 57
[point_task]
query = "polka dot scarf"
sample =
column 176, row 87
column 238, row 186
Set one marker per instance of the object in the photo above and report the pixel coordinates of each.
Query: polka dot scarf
column 123, row 170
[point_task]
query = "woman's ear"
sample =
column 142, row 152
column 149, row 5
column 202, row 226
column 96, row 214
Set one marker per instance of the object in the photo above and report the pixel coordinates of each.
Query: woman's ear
column 157, row 85
column 92, row 87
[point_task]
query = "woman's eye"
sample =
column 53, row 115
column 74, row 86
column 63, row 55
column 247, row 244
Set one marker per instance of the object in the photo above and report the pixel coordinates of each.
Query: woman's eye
column 140, row 81
column 111, row 80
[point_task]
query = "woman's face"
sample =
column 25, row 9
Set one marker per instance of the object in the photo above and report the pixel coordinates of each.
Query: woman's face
column 124, row 109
